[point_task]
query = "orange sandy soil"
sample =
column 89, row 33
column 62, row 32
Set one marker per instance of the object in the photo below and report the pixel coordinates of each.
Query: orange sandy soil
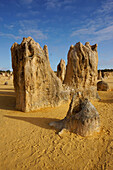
column 28, row 142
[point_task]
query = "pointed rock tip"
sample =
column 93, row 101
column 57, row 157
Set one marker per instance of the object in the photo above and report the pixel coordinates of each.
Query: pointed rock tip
column 87, row 43
column 27, row 39
column 72, row 46
column 45, row 46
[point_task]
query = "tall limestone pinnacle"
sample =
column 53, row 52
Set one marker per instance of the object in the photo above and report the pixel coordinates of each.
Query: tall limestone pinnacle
column 81, row 71
column 61, row 70
column 36, row 85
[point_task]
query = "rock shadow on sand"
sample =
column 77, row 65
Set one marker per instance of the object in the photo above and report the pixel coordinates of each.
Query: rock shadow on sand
column 107, row 101
column 6, row 88
column 38, row 121
column 7, row 100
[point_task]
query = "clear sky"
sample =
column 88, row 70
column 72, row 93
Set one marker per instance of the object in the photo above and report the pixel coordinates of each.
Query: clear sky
column 59, row 24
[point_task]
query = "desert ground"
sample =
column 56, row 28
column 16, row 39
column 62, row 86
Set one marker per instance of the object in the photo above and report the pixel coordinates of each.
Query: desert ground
column 28, row 142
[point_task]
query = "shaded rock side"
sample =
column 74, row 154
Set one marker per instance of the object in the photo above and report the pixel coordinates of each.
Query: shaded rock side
column 36, row 85
column 102, row 86
column 81, row 71
column 82, row 118
column 61, row 70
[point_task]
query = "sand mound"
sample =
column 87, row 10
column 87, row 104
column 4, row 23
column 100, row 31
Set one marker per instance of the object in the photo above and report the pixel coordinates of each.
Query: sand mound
column 28, row 142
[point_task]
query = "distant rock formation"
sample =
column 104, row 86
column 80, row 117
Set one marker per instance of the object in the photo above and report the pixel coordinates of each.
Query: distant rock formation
column 36, row 85
column 81, row 71
column 6, row 83
column 82, row 118
column 61, row 70
column 102, row 86
column 107, row 74
column 3, row 74
column 99, row 75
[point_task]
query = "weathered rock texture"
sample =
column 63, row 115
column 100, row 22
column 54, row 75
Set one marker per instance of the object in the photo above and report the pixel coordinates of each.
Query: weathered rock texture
column 102, row 86
column 81, row 71
column 61, row 70
column 82, row 118
column 36, row 85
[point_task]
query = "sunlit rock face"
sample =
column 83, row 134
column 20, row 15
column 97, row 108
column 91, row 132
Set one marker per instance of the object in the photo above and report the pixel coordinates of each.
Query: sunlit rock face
column 81, row 71
column 36, row 85
column 61, row 70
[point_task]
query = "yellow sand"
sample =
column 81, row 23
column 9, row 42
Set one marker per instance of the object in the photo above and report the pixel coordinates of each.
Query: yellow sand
column 28, row 142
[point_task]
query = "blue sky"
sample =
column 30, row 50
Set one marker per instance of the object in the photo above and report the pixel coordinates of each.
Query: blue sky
column 59, row 24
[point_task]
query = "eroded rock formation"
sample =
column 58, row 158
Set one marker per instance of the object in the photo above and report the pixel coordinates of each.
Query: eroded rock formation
column 61, row 70
column 102, row 86
column 36, row 85
column 82, row 118
column 81, row 71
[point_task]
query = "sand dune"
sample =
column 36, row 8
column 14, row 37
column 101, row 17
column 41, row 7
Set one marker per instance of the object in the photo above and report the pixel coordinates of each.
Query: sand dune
column 28, row 142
